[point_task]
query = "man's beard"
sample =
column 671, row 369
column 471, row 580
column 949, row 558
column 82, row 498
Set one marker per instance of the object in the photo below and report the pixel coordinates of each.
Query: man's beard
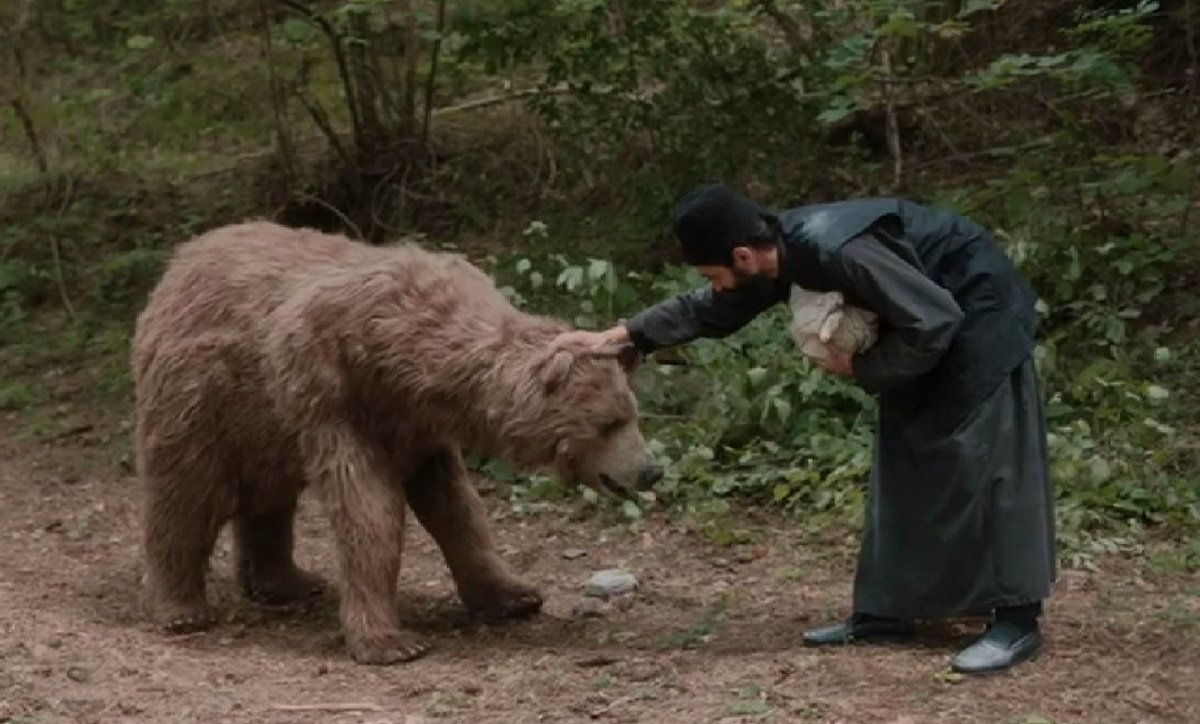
column 741, row 277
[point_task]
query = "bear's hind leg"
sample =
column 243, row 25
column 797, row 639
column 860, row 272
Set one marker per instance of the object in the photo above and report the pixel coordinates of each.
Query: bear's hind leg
column 447, row 505
column 183, row 394
column 267, row 571
column 183, row 519
column 367, row 514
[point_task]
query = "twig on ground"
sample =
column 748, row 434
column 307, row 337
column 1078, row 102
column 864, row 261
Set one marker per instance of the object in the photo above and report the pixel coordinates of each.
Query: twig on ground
column 73, row 431
column 598, row 660
column 327, row 707
column 612, row 705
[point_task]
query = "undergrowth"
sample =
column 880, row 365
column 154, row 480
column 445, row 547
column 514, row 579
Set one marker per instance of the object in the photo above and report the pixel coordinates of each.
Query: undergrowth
column 747, row 420
column 146, row 126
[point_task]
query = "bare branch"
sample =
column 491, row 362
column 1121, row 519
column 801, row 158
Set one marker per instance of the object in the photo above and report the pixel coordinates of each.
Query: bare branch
column 412, row 59
column 322, row 120
column 787, row 25
column 339, row 56
column 277, row 100
column 430, row 80
column 893, row 126
column 56, row 253
column 31, row 135
column 336, row 212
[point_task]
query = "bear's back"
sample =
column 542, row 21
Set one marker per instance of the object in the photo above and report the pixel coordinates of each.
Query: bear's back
column 231, row 280
column 232, row 276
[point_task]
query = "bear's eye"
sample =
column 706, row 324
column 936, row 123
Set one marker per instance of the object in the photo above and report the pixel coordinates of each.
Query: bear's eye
column 610, row 428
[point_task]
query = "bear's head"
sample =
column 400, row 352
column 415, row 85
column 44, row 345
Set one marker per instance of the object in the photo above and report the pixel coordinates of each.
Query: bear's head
column 591, row 418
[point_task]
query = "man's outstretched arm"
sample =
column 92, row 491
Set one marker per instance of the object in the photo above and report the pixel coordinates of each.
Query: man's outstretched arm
column 701, row 313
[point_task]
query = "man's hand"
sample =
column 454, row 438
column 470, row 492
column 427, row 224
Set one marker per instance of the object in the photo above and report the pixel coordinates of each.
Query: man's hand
column 836, row 361
column 581, row 339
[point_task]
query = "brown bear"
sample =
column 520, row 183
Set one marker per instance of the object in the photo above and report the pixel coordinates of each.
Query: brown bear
column 269, row 358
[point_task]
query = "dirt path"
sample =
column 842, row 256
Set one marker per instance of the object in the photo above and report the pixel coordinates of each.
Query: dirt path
column 73, row 646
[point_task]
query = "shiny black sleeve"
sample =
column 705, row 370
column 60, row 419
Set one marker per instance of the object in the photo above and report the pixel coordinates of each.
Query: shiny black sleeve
column 917, row 318
column 702, row 313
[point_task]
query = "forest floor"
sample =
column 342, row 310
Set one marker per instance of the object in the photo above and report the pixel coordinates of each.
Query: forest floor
column 711, row 634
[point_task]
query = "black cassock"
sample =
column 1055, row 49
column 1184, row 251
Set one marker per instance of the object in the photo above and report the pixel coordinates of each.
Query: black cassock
column 960, row 510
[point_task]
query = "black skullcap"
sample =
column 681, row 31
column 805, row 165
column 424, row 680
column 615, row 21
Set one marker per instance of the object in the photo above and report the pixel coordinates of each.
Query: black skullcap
column 711, row 220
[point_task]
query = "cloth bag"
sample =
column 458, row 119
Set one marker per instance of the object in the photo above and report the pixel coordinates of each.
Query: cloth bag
column 823, row 319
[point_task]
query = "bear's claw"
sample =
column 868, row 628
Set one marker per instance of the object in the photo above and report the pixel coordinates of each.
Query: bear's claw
column 190, row 622
column 517, row 602
column 391, row 648
column 521, row 605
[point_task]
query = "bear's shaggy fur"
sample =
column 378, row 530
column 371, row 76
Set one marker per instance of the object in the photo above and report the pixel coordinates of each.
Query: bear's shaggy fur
column 268, row 359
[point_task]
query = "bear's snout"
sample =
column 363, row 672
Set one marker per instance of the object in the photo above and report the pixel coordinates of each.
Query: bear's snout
column 649, row 476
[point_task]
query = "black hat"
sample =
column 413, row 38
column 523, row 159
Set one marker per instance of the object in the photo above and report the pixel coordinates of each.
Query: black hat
column 711, row 220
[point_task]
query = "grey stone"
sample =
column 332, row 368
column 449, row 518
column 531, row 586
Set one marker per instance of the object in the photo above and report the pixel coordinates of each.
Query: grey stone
column 610, row 582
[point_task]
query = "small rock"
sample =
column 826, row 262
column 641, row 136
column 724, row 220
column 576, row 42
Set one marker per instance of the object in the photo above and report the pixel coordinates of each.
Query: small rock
column 41, row 652
column 589, row 608
column 572, row 553
column 610, row 583
column 78, row 675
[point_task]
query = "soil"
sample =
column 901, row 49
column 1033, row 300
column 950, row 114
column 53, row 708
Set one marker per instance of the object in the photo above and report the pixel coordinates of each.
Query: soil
column 710, row 634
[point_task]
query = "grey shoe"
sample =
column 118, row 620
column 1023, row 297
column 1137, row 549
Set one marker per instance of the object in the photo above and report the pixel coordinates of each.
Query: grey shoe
column 1004, row 645
column 859, row 628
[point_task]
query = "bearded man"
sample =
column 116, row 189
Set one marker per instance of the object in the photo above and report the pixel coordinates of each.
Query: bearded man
column 960, row 512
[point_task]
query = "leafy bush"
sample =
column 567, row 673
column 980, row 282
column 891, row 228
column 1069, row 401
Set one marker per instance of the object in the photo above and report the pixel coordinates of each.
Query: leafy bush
column 748, row 418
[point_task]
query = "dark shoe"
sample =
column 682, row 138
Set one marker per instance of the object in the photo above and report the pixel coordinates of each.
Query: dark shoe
column 859, row 628
column 1004, row 645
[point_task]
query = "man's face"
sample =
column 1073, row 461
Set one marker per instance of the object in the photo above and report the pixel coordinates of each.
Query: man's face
column 747, row 263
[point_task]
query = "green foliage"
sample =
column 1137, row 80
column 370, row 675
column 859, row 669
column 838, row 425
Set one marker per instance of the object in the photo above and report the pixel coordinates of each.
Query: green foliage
column 691, row 92
column 712, row 620
column 160, row 118
column 747, row 418
column 20, row 395
column 1098, row 239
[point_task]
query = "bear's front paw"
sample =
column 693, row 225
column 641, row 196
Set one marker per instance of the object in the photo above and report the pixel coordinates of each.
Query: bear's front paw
column 509, row 600
column 392, row 648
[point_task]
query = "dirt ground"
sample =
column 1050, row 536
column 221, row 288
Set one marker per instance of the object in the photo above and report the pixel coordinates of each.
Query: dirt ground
column 710, row 635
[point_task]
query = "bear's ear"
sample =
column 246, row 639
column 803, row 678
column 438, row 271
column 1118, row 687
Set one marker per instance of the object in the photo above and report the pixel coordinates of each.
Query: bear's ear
column 624, row 352
column 556, row 369
column 629, row 358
